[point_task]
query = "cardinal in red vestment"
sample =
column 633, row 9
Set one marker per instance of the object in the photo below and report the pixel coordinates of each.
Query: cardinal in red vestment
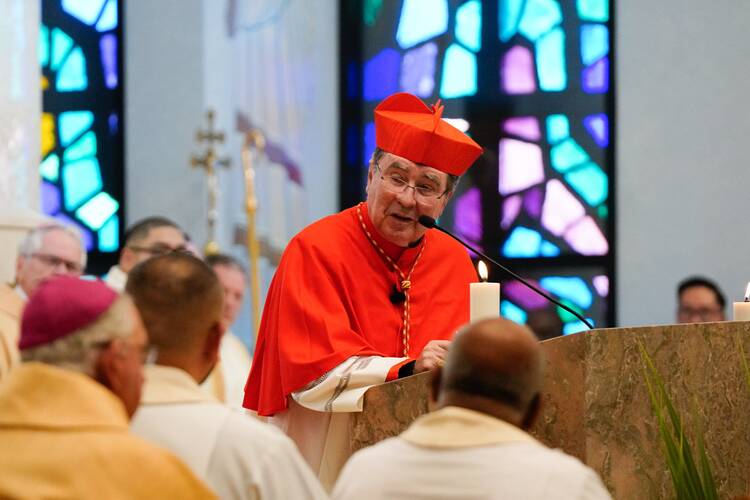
column 367, row 295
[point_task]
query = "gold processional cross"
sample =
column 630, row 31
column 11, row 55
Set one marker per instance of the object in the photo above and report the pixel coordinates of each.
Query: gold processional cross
column 209, row 162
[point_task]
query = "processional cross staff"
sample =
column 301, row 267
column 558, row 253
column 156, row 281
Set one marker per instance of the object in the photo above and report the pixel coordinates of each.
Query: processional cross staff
column 209, row 162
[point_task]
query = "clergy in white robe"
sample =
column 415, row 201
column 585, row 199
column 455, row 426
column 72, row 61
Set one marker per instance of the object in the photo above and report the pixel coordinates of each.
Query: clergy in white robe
column 180, row 299
column 475, row 445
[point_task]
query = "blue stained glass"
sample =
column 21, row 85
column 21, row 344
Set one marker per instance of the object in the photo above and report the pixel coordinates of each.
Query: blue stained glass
column 43, row 46
column 576, row 327
column 61, row 44
column 109, row 235
column 567, row 154
column 85, row 146
column 558, row 128
column 95, row 212
column 369, row 143
column 72, row 124
column 418, row 70
column 593, row 10
column 550, row 61
column 590, row 182
column 594, row 43
column 572, row 288
column 50, row 196
column 50, row 168
column 549, row 250
column 421, row 20
column 108, row 19
column 508, row 15
column 469, row 25
column 108, row 51
column 459, row 73
column 510, row 311
column 598, row 126
column 72, row 75
column 81, row 180
column 539, row 17
column 595, row 79
column 352, row 144
column 87, row 11
column 522, row 242
column 381, row 75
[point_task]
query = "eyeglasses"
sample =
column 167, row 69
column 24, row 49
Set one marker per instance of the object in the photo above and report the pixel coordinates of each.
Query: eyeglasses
column 396, row 183
column 703, row 314
column 158, row 249
column 53, row 261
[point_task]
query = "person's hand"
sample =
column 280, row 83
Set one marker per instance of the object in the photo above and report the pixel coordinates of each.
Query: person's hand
column 433, row 355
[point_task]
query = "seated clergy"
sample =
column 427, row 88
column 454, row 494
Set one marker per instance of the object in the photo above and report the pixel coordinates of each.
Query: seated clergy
column 475, row 444
column 227, row 380
column 64, row 412
column 49, row 250
column 181, row 300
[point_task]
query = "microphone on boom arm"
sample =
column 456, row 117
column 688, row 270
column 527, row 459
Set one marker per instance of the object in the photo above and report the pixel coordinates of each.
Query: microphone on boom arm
column 430, row 223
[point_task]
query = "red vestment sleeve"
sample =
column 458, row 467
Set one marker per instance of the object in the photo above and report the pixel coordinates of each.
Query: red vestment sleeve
column 305, row 329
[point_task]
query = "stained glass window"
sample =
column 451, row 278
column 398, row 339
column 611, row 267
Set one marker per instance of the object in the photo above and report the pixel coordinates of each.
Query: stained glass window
column 530, row 81
column 81, row 167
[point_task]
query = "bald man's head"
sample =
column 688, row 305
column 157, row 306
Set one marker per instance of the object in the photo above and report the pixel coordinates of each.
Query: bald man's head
column 494, row 363
column 180, row 299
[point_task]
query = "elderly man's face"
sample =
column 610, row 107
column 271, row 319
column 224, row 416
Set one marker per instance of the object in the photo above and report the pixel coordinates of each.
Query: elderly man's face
column 395, row 211
column 60, row 253
column 160, row 240
column 233, row 282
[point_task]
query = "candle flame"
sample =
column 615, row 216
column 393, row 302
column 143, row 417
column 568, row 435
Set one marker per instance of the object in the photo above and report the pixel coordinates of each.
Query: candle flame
column 483, row 274
column 747, row 293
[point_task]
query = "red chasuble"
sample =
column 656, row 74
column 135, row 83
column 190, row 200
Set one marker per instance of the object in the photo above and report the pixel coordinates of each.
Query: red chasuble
column 329, row 301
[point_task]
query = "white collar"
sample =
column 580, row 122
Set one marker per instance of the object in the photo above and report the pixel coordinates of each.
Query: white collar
column 170, row 385
column 455, row 427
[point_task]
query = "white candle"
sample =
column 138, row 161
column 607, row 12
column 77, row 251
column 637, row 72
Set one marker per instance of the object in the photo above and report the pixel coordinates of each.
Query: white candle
column 484, row 297
column 741, row 310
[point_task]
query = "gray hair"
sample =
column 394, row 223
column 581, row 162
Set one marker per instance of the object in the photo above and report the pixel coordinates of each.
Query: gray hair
column 32, row 243
column 450, row 186
column 80, row 350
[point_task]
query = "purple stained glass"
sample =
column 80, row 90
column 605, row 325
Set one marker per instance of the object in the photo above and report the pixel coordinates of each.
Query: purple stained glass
column 561, row 208
column 598, row 126
column 511, row 209
column 521, row 166
column 381, row 75
column 114, row 123
column 517, row 72
column 88, row 238
column 108, row 49
column 369, row 143
column 468, row 215
column 586, row 238
column 524, row 297
column 601, row 284
column 525, row 127
column 595, row 78
column 418, row 70
column 532, row 202
column 50, row 195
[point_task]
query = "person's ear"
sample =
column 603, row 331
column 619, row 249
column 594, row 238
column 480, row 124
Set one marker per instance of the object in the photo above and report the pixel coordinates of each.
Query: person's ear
column 532, row 413
column 108, row 368
column 213, row 342
column 127, row 259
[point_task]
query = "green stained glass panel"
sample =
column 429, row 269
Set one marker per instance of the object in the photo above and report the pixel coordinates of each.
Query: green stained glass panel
column 550, row 61
column 81, row 180
column 50, row 168
column 567, row 155
column 459, row 73
column 43, row 46
column 558, row 128
column 85, row 146
column 95, row 212
column 72, row 75
column 108, row 19
column 590, row 182
column 469, row 25
column 593, row 10
column 61, row 44
column 109, row 237
column 508, row 17
column 72, row 124
column 539, row 17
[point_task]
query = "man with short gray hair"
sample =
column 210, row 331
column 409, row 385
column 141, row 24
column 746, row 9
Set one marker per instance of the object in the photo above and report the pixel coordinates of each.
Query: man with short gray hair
column 49, row 250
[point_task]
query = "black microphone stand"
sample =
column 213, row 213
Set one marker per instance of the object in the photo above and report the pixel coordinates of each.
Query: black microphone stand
column 429, row 222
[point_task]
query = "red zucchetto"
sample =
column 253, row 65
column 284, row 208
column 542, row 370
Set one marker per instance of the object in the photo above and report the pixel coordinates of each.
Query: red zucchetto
column 60, row 306
column 407, row 127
